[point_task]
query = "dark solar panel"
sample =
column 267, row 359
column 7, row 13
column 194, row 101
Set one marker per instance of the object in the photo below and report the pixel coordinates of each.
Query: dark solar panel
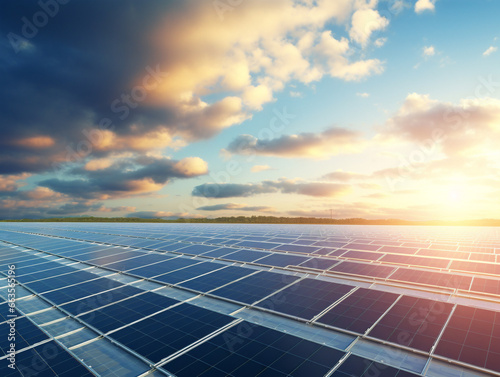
column 413, row 322
column 438, row 279
column 127, row 311
column 472, row 336
column 189, row 272
column 165, row 333
column 306, row 298
column 282, row 260
column 81, row 290
column 319, row 263
column 60, row 281
column 255, row 287
column 255, row 351
column 217, row 278
column 359, row 311
column 162, row 267
column 246, row 255
column 45, row 360
column 363, row 269
column 26, row 334
column 100, row 299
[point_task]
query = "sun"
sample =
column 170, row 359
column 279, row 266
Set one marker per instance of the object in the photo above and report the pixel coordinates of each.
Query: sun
column 455, row 195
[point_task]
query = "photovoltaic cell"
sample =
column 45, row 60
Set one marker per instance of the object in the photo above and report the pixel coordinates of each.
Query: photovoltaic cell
column 438, row 279
column 246, row 255
column 359, row 311
column 162, row 267
column 282, row 260
column 260, row 352
column 100, row 299
column 81, row 290
column 127, row 311
column 319, row 263
column 306, row 298
column 60, row 281
column 472, row 336
column 255, row 287
column 26, row 334
column 189, row 272
column 363, row 269
column 46, row 360
column 167, row 332
column 217, row 278
column 413, row 322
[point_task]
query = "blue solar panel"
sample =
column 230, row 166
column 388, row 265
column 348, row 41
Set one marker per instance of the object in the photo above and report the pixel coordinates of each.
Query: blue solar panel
column 217, row 278
column 255, row 287
column 165, row 333
column 306, row 298
column 127, row 311
column 259, row 352
column 45, row 360
column 26, row 335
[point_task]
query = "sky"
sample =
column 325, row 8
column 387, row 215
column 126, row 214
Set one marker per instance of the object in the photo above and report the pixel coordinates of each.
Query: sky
column 167, row 109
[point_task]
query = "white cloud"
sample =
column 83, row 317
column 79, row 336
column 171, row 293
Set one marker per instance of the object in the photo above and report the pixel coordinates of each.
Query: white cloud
column 490, row 51
column 423, row 5
column 428, row 51
column 379, row 42
column 259, row 168
column 363, row 95
column 365, row 21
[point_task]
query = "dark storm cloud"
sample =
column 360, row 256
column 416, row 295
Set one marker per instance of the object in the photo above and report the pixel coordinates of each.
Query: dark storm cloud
column 126, row 178
column 305, row 145
column 229, row 190
column 68, row 75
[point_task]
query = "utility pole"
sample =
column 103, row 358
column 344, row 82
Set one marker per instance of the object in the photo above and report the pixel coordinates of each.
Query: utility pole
column 331, row 213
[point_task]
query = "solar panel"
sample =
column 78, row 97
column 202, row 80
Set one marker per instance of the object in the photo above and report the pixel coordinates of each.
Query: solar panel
column 26, row 335
column 472, row 336
column 46, row 360
column 217, row 278
column 167, row 332
column 413, row 322
column 359, row 311
column 255, row 351
column 255, row 287
column 127, row 311
column 356, row 288
column 306, row 298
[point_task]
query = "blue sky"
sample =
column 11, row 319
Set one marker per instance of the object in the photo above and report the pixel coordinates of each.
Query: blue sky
column 393, row 109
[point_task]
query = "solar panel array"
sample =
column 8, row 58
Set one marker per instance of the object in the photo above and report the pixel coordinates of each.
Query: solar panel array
column 189, row 300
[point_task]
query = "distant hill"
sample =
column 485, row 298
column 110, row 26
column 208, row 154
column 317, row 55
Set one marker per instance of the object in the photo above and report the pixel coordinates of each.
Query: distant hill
column 268, row 220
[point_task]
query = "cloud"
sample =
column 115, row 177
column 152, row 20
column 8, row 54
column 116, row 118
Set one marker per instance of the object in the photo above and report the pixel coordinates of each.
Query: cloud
column 364, row 22
column 305, row 145
column 428, row 51
column 465, row 128
column 490, row 50
column 11, row 182
column 379, row 42
column 259, row 168
column 344, row 176
column 137, row 90
column 363, row 95
column 285, row 186
column 127, row 178
column 235, row 206
column 424, row 5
